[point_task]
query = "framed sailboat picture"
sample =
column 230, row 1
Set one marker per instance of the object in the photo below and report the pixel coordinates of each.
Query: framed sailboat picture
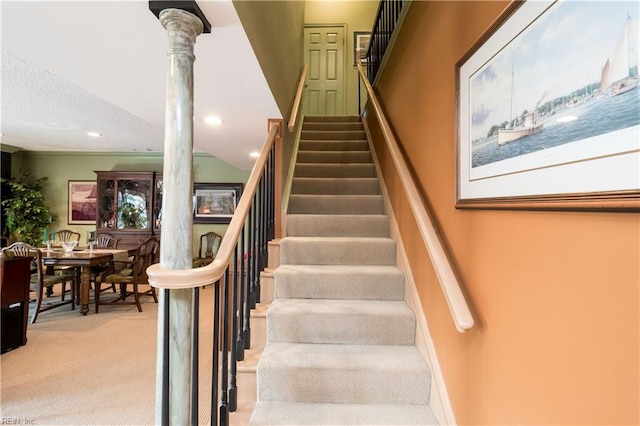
column 548, row 109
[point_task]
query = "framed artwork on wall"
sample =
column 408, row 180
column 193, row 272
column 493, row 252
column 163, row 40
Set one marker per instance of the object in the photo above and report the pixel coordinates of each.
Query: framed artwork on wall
column 360, row 45
column 82, row 202
column 215, row 202
column 548, row 109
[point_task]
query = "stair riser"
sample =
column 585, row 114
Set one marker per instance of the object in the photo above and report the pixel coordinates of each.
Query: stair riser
column 332, row 119
column 368, row 251
column 247, row 386
column 297, row 413
column 334, row 146
column 266, row 287
column 335, row 204
column 332, row 126
column 328, row 186
column 334, row 157
column 343, row 386
column 258, row 325
column 331, row 135
column 337, row 226
column 303, row 282
column 363, row 170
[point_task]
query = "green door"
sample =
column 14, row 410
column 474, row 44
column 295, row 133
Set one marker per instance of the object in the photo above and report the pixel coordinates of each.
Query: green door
column 324, row 52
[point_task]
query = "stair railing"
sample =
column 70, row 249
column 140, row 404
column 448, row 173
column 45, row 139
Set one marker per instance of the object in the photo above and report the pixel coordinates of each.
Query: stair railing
column 387, row 18
column 451, row 288
column 291, row 126
column 235, row 274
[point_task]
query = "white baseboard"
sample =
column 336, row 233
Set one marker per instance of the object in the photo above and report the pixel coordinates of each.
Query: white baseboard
column 438, row 398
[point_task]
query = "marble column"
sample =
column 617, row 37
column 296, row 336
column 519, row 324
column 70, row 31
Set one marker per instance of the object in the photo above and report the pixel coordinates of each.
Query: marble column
column 182, row 29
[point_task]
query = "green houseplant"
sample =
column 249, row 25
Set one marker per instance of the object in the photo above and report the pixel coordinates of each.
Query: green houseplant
column 26, row 211
column 133, row 216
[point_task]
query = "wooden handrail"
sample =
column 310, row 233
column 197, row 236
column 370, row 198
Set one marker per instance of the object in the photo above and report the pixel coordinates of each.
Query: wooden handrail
column 296, row 101
column 161, row 277
column 460, row 312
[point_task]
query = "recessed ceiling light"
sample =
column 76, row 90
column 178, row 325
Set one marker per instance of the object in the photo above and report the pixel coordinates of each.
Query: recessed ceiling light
column 254, row 154
column 213, row 120
column 94, row 134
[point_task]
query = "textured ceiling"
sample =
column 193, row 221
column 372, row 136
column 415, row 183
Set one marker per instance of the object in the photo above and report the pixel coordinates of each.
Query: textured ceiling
column 72, row 67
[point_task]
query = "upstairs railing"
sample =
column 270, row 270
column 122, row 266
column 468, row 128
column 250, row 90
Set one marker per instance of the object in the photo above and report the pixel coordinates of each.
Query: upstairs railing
column 235, row 275
column 451, row 288
column 389, row 12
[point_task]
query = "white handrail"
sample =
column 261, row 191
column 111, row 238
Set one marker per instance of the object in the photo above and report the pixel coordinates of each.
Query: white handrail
column 161, row 277
column 458, row 306
column 296, row 101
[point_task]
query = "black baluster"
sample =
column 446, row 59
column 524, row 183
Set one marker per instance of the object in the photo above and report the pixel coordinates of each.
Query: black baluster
column 224, row 374
column 241, row 297
column 233, row 393
column 254, row 252
column 216, row 355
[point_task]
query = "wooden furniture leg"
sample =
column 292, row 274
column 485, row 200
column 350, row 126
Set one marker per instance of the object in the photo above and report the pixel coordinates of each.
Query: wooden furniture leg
column 85, row 284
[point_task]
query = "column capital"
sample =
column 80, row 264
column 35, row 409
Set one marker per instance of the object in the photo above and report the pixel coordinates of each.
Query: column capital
column 181, row 24
column 157, row 6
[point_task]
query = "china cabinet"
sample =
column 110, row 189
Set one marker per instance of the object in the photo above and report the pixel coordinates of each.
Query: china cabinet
column 129, row 206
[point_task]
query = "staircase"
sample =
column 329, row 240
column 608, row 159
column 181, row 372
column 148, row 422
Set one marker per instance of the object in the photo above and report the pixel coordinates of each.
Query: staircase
column 340, row 338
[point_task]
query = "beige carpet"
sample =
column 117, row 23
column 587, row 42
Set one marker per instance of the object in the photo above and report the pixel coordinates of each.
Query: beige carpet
column 97, row 369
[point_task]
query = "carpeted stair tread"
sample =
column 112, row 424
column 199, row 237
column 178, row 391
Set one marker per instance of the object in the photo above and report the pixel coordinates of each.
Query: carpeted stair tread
column 334, row 156
column 325, row 225
column 337, row 251
column 339, row 282
column 335, row 204
column 369, row 374
column 308, row 413
column 333, row 135
column 331, row 145
column 336, row 186
column 335, row 170
column 357, row 322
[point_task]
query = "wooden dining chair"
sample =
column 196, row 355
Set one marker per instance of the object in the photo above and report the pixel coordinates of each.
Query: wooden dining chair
column 41, row 280
column 67, row 235
column 207, row 250
column 105, row 241
column 131, row 273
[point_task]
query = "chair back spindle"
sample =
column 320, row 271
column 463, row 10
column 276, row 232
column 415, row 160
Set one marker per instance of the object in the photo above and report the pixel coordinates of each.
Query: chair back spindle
column 67, row 235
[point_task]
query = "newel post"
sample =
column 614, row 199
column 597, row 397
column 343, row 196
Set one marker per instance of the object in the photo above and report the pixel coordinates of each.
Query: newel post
column 175, row 309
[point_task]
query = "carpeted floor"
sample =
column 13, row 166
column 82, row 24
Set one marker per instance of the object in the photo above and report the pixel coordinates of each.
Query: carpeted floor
column 97, row 369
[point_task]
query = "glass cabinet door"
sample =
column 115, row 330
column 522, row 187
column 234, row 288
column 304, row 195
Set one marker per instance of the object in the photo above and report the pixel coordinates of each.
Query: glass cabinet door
column 157, row 203
column 133, row 200
column 106, row 203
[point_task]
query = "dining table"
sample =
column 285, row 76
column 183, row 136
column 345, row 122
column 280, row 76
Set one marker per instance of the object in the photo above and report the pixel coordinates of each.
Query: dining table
column 83, row 259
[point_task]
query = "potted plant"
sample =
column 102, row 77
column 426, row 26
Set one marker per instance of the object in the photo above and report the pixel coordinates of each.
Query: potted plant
column 26, row 211
column 133, row 216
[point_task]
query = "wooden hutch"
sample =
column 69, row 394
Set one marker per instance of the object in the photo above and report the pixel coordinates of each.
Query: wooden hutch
column 129, row 206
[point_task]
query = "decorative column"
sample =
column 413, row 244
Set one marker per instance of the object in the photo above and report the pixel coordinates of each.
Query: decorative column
column 175, row 319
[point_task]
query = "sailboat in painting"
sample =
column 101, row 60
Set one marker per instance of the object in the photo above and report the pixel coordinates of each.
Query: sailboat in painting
column 620, row 71
column 526, row 125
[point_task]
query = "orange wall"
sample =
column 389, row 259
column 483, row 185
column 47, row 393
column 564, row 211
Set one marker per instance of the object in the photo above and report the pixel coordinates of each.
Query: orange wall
column 555, row 294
